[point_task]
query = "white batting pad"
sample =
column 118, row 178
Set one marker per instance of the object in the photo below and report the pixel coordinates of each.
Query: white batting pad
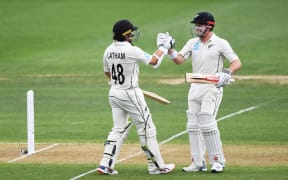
column 113, row 146
column 151, row 148
column 211, row 136
column 196, row 141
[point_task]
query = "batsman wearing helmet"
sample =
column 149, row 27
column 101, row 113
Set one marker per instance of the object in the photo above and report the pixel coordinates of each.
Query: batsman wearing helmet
column 121, row 65
column 208, row 52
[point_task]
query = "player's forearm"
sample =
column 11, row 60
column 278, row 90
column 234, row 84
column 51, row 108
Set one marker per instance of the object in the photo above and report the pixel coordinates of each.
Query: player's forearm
column 175, row 57
column 235, row 66
column 156, row 57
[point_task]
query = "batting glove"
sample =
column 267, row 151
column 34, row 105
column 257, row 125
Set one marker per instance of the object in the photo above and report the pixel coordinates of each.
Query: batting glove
column 161, row 39
column 224, row 78
column 165, row 40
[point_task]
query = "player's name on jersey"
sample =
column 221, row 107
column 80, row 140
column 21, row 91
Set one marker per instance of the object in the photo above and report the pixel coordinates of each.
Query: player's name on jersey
column 115, row 55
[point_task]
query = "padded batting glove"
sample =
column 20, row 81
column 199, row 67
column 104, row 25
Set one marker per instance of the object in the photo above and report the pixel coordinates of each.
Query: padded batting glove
column 224, row 78
column 165, row 40
column 161, row 39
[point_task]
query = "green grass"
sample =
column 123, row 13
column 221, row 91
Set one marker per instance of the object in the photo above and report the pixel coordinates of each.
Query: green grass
column 80, row 111
column 56, row 171
column 70, row 36
column 56, row 47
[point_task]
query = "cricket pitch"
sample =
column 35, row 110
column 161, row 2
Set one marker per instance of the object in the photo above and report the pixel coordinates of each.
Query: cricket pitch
column 90, row 153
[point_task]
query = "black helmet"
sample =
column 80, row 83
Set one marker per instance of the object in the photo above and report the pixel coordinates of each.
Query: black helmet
column 122, row 28
column 204, row 18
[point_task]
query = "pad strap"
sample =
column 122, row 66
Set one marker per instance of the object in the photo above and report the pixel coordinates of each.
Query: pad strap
column 159, row 60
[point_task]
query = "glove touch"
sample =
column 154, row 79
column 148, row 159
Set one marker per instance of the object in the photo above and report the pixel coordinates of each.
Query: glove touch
column 165, row 40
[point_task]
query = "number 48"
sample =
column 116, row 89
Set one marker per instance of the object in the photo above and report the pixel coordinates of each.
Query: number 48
column 117, row 74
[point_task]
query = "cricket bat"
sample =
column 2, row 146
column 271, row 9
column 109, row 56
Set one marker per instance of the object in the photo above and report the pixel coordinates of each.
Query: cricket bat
column 201, row 78
column 155, row 97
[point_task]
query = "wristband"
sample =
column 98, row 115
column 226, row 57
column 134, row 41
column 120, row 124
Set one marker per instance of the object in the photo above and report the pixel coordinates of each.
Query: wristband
column 173, row 55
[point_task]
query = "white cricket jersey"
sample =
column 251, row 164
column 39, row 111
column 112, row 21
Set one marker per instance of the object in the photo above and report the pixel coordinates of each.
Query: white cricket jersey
column 122, row 60
column 208, row 57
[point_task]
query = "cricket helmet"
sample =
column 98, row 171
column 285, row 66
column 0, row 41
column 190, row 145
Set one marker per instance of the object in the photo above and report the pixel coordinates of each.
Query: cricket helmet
column 122, row 28
column 204, row 18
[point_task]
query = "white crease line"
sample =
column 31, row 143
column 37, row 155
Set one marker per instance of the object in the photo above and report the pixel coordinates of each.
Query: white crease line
column 40, row 150
column 236, row 113
column 84, row 174
column 220, row 119
column 118, row 161
column 167, row 140
column 130, row 156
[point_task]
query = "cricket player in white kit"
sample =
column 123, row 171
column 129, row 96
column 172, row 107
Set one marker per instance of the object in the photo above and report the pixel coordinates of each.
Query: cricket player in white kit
column 208, row 52
column 121, row 65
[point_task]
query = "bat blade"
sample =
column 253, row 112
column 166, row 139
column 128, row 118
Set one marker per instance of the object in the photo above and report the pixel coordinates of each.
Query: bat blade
column 155, row 97
column 201, row 78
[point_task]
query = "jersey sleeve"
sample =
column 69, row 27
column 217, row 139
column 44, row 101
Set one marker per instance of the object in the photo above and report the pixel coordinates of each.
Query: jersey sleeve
column 186, row 51
column 228, row 52
column 140, row 56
